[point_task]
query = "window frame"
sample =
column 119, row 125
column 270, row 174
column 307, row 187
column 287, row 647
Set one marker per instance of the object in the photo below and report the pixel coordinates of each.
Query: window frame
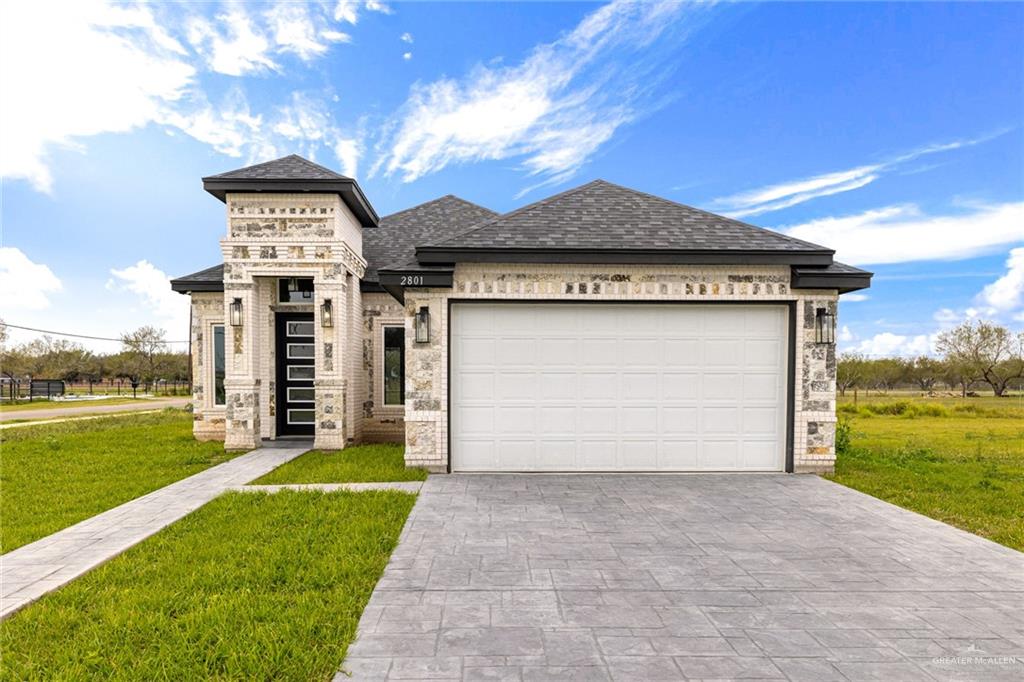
column 384, row 326
column 213, row 363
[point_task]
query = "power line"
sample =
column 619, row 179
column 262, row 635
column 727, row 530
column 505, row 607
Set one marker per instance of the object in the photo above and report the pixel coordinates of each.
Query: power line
column 77, row 336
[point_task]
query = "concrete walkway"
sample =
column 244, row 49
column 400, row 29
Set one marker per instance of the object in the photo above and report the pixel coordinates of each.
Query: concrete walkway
column 670, row 577
column 31, row 571
column 85, row 408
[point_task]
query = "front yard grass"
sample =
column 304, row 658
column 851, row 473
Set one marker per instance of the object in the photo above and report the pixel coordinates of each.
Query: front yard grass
column 359, row 464
column 55, row 475
column 967, row 471
column 251, row 586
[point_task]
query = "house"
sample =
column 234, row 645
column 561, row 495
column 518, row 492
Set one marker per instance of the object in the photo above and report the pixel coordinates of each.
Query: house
column 600, row 329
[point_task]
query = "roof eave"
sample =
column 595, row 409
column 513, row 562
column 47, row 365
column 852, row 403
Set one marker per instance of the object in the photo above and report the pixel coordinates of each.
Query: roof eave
column 184, row 286
column 349, row 190
column 448, row 255
column 843, row 282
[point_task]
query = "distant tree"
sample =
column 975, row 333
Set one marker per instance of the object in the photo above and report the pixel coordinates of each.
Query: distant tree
column 142, row 349
column 884, row 374
column 850, row 371
column 986, row 351
column 925, row 372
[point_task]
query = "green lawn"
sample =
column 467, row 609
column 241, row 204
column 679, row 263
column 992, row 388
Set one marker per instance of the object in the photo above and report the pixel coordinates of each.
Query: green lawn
column 962, row 463
column 26, row 406
column 359, row 464
column 249, row 587
column 55, row 475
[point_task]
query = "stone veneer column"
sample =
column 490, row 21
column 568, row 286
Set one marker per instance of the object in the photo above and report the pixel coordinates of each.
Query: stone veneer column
column 331, row 423
column 241, row 381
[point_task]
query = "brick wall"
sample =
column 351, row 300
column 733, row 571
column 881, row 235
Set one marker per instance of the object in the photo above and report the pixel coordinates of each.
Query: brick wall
column 427, row 364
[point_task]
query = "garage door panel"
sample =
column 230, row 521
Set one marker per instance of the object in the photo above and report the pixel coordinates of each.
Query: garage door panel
column 558, row 386
column 639, row 420
column 618, row 387
column 680, row 385
column 515, row 352
column 640, row 386
column 722, row 352
column 516, row 386
column 638, row 455
column 597, row 420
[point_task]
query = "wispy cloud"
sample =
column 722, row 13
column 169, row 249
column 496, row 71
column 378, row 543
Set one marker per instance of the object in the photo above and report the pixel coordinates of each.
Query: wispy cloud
column 792, row 192
column 552, row 110
column 1005, row 296
column 898, row 234
column 348, row 10
column 24, row 284
column 129, row 70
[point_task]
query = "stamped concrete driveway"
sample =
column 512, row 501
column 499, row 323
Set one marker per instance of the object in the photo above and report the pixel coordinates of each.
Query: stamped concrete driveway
column 672, row 577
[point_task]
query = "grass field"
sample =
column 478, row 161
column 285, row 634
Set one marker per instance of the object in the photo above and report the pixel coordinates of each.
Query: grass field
column 55, row 475
column 25, row 406
column 250, row 587
column 960, row 461
column 359, row 464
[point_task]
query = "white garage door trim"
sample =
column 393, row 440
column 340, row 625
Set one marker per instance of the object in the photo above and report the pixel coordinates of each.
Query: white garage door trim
column 619, row 387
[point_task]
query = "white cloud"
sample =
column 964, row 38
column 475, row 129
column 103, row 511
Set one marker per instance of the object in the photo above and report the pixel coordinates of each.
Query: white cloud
column 553, row 110
column 377, row 6
column 242, row 48
column 115, row 70
column 853, row 298
column 153, row 287
column 845, row 335
column 294, row 30
column 897, row 234
column 888, row 344
column 406, row 38
column 346, row 10
column 790, row 193
column 24, row 285
column 1006, row 294
column 407, row 56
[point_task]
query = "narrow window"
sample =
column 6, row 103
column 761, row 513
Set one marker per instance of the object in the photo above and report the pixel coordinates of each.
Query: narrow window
column 394, row 365
column 218, row 365
column 295, row 290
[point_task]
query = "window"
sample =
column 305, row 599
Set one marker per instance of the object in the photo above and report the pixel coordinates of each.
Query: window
column 219, row 397
column 394, row 365
column 300, row 350
column 295, row 290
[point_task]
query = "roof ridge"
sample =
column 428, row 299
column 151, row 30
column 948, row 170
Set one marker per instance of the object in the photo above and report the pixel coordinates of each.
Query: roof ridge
column 434, row 201
column 484, row 223
column 710, row 214
column 269, row 162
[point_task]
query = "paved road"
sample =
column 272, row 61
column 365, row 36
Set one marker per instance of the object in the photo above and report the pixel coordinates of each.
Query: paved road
column 84, row 408
column 675, row 577
column 31, row 571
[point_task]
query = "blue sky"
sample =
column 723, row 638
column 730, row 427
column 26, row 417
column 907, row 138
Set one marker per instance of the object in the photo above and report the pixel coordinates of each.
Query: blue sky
column 891, row 132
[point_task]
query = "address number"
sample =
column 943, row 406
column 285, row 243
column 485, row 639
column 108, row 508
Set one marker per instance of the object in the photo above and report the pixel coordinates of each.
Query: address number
column 412, row 280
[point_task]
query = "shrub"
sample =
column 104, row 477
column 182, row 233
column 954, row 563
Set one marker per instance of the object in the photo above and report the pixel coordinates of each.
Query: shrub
column 844, row 434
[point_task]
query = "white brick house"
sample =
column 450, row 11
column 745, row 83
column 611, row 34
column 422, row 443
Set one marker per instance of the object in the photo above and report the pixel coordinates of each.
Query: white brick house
column 601, row 329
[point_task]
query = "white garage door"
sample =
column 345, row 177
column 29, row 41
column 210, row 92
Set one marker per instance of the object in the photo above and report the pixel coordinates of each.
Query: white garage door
column 632, row 387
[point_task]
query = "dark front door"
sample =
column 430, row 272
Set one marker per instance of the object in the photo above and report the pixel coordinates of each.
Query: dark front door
column 296, row 396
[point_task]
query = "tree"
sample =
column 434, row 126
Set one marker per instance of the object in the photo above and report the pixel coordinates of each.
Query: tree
column 850, row 371
column 142, row 349
column 925, row 372
column 884, row 374
column 987, row 351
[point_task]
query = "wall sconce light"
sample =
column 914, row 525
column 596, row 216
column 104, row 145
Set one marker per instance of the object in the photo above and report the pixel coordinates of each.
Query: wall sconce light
column 236, row 313
column 422, row 325
column 326, row 313
column 824, row 326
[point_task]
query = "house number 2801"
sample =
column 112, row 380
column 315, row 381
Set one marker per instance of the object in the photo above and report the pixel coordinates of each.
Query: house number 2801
column 412, row 280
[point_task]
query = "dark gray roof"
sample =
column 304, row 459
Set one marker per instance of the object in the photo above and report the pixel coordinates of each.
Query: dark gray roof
column 291, row 167
column 394, row 241
column 839, row 276
column 601, row 215
column 291, row 174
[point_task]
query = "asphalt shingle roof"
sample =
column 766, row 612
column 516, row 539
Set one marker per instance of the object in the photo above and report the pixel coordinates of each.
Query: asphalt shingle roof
column 601, row 215
column 291, row 167
column 394, row 241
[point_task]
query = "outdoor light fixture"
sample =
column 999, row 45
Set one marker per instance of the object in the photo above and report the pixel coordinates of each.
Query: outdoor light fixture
column 824, row 326
column 236, row 313
column 293, row 284
column 422, row 324
column 326, row 313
